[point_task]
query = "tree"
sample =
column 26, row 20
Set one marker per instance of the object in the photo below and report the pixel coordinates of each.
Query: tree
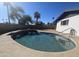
column 48, row 23
column 40, row 23
column 16, row 13
column 37, row 16
column 7, row 4
column 13, row 12
column 26, row 19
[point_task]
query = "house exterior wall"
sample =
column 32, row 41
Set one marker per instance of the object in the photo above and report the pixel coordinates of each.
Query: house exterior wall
column 73, row 22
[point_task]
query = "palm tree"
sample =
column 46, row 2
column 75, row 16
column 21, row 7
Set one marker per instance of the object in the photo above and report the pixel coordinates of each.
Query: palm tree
column 7, row 4
column 37, row 16
column 16, row 13
column 26, row 19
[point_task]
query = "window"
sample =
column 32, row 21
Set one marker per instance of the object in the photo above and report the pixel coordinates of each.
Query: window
column 65, row 22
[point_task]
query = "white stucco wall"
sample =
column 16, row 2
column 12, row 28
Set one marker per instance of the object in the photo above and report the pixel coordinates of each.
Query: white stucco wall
column 73, row 22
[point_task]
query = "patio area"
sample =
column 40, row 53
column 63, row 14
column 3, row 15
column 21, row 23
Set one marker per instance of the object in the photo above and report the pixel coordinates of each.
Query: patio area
column 10, row 48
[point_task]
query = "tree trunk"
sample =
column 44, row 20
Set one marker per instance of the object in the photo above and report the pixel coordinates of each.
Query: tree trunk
column 8, row 13
column 36, row 20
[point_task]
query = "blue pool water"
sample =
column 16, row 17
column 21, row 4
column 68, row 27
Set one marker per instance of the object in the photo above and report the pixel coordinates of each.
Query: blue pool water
column 46, row 42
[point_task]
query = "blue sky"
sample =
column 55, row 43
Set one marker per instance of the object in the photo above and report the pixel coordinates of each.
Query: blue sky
column 48, row 10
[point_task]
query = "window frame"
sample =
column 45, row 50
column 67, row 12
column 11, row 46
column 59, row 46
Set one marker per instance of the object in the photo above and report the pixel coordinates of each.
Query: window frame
column 65, row 22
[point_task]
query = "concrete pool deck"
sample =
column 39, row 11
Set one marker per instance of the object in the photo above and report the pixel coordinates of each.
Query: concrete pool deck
column 10, row 48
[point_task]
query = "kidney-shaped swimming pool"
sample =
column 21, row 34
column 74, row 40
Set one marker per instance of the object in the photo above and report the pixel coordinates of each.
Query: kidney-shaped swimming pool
column 43, row 41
